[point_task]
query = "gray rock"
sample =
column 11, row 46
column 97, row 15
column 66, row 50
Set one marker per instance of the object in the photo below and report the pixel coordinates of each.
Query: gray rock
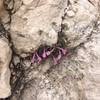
column 32, row 24
column 80, row 19
column 77, row 76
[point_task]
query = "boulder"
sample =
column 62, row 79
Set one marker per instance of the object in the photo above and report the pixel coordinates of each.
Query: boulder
column 36, row 23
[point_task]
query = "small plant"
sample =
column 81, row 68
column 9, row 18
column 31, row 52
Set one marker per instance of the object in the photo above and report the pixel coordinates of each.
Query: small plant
column 56, row 52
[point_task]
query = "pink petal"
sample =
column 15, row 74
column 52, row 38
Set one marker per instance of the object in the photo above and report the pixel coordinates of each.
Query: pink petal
column 39, row 58
column 64, row 51
column 59, row 56
column 49, row 52
column 55, row 61
column 44, row 54
column 33, row 59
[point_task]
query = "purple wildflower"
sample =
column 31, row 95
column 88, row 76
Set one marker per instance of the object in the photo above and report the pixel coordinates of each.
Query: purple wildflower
column 49, row 52
column 38, row 58
column 55, row 61
column 59, row 56
column 64, row 51
column 33, row 59
column 44, row 53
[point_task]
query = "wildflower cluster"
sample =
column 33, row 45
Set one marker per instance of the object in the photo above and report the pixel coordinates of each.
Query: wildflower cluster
column 55, row 52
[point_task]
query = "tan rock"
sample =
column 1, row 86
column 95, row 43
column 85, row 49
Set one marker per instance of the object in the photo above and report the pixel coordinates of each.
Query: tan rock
column 80, row 18
column 5, row 57
column 77, row 77
column 32, row 24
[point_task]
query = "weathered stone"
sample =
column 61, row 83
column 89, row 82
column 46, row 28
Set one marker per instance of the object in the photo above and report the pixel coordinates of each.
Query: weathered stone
column 77, row 75
column 5, row 58
column 75, row 78
column 80, row 18
column 32, row 25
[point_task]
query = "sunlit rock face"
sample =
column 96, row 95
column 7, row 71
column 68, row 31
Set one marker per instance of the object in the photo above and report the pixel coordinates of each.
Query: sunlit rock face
column 79, row 20
column 36, row 23
column 5, row 57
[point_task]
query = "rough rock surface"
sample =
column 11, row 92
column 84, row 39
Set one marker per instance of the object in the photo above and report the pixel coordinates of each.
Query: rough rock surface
column 5, row 57
column 33, row 24
column 79, row 20
column 38, row 22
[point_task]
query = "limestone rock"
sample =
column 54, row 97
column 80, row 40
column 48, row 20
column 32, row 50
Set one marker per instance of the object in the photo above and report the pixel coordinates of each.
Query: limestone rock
column 32, row 25
column 5, row 58
column 79, row 20
column 77, row 76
